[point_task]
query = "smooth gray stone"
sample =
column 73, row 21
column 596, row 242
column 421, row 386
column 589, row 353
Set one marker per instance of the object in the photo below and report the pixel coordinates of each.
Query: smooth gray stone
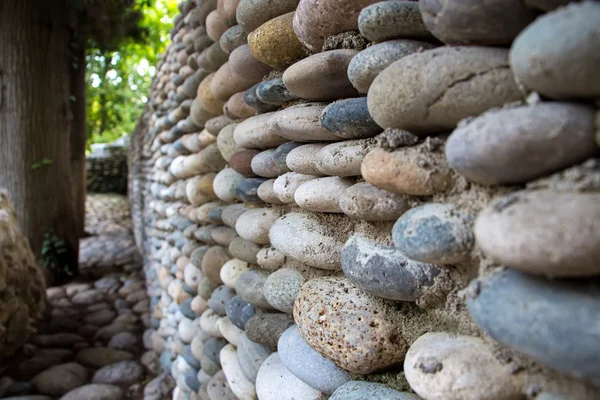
column 435, row 233
column 251, row 98
column 212, row 348
column 350, row 119
column 281, row 153
column 267, row 328
column 219, row 298
column 386, row 272
column 251, row 355
column 166, row 360
column 246, row 189
column 274, row 92
column 307, row 364
column 239, row 311
column 189, row 358
column 553, row 321
column 358, row 390
column 197, row 256
column 250, row 285
column 215, row 215
column 191, row 380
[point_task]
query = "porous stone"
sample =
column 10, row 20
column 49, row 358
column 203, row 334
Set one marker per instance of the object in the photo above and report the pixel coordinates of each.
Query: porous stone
column 418, row 171
column 251, row 14
column 471, row 22
column 308, row 365
column 274, row 43
column 274, row 92
column 322, row 194
column 267, row 328
column 543, row 55
column 515, row 145
column 366, row 65
column 385, row 272
column 361, row 336
column 275, row 382
column 438, row 363
column 460, row 82
column 542, row 232
column 360, row 390
column 435, row 233
column 303, row 159
column 344, row 158
column 239, row 311
column 365, row 201
column 322, row 76
column 315, row 21
column 249, row 287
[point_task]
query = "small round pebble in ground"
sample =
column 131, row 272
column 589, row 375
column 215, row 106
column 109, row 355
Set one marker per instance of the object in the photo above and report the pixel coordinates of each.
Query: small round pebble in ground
column 308, row 365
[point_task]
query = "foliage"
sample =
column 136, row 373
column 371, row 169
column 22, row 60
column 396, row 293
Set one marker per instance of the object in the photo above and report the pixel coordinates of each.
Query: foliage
column 120, row 61
column 53, row 257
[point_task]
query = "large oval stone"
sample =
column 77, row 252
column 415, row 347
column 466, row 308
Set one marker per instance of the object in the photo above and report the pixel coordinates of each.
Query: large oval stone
column 392, row 19
column 361, row 390
column 543, row 55
column 543, row 232
column 433, row 90
column 254, row 225
column 357, row 331
column 258, row 133
column 322, row 76
column 251, row 355
column 286, row 185
column 301, row 123
column 446, row 366
column 515, row 145
column 386, row 272
column 275, row 382
column 548, row 320
column 365, row 201
column 344, row 158
column 303, row 159
column 322, row 194
column 251, row 14
column 435, row 233
column 246, row 65
column 275, row 43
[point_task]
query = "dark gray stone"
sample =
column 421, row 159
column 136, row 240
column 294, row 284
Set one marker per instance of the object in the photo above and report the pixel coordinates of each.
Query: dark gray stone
column 435, row 233
column 189, row 357
column 250, row 97
column 246, row 189
column 552, row 321
column 219, row 299
column 350, row 119
column 251, row 355
column 386, row 272
column 281, row 153
column 239, row 311
column 191, row 380
column 358, row 390
column 186, row 309
column 274, row 92
column 19, row 388
column 307, row 364
column 267, row 328
column 212, row 348
column 166, row 360
column 189, row 290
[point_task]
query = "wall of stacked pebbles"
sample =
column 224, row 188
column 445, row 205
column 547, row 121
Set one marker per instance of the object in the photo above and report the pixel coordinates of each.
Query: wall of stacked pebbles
column 352, row 199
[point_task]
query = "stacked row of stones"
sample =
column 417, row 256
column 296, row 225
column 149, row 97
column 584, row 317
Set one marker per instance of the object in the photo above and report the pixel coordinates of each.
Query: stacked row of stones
column 106, row 168
column 22, row 283
column 363, row 199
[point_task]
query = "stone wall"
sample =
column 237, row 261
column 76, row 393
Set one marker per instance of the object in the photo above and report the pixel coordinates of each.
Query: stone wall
column 22, row 283
column 364, row 199
column 106, row 168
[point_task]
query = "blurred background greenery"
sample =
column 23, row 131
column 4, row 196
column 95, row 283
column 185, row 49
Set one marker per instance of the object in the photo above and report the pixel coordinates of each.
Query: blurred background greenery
column 120, row 62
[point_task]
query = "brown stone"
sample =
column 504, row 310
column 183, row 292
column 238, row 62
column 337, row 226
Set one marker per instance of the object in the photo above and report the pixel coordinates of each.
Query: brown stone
column 207, row 99
column 226, row 83
column 247, row 66
column 241, row 161
column 236, row 107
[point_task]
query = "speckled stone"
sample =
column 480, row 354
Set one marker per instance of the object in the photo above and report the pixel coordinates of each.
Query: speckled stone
column 270, row 259
column 246, row 189
column 365, row 201
column 219, row 298
column 275, row 43
column 251, row 14
column 281, row 288
column 366, row 65
column 368, row 341
column 322, row 76
column 386, row 272
column 350, row 119
column 392, row 19
column 360, row 390
column 246, row 65
column 267, row 328
column 435, row 233
column 274, row 92
column 239, row 311
column 308, row 365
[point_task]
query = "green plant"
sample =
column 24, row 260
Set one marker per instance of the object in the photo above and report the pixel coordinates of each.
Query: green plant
column 45, row 161
column 53, row 251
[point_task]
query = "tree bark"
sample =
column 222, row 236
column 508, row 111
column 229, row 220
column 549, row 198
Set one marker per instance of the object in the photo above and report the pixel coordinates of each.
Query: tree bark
column 36, row 120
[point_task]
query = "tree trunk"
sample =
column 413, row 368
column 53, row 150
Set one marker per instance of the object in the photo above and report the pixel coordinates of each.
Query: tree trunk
column 35, row 121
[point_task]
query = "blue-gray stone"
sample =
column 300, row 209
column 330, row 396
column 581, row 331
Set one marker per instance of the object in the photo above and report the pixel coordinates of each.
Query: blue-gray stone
column 204, row 234
column 186, row 309
column 358, row 390
column 166, row 360
column 215, row 215
column 251, row 355
column 307, row 364
column 189, row 290
column 386, row 272
column 219, row 298
column 212, row 348
column 155, row 323
column 553, row 321
column 274, row 92
column 350, row 119
column 19, row 388
column 191, row 380
column 246, row 189
column 189, row 358
column 251, row 98
column 197, row 256
column 281, row 153
column 435, row 233
column 239, row 311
